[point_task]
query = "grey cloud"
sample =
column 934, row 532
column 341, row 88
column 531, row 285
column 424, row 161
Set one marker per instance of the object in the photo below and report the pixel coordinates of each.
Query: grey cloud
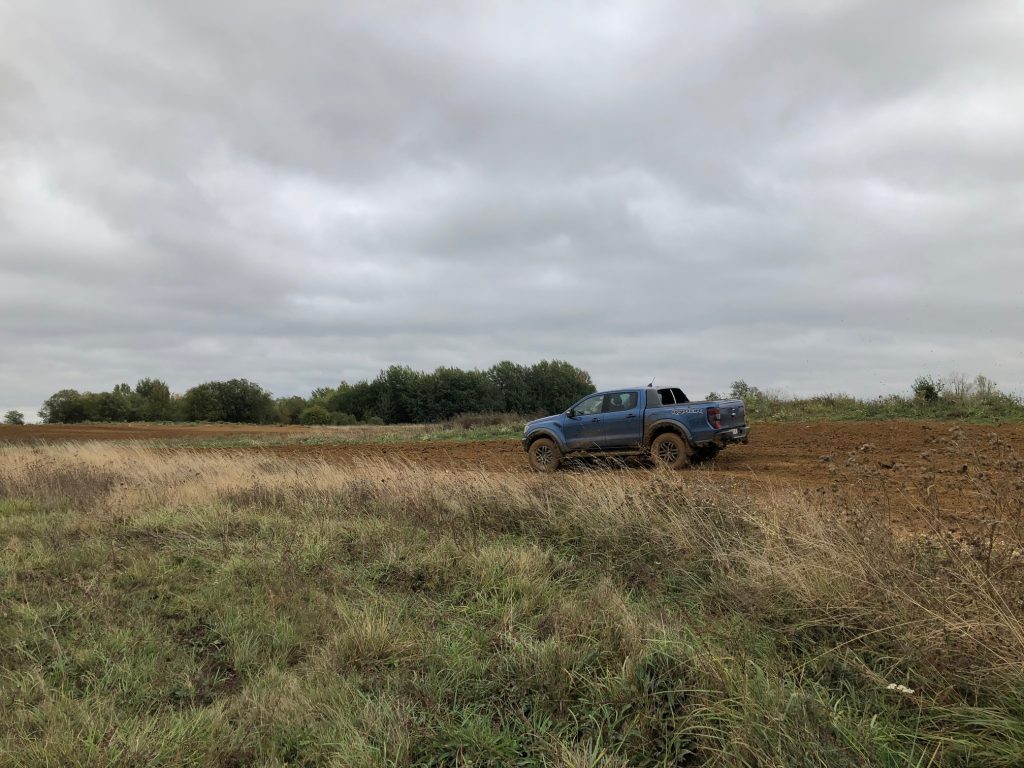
column 815, row 197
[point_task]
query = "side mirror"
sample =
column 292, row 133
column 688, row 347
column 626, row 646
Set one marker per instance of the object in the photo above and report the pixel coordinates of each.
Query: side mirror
column 571, row 413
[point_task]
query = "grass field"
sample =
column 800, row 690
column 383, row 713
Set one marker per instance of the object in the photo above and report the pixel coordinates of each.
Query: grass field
column 222, row 435
column 967, row 407
column 245, row 608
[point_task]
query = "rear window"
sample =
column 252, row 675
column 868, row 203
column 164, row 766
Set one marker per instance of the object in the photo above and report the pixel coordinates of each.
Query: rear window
column 672, row 396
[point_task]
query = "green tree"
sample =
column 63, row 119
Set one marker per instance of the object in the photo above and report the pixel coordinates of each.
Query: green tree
column 202, row 403
column 452, row 391
column 512, row 383
column 237, row 400
column 67, row 406
column 177, row 408
column 93, row 403
column 14, row 417
column 315, row 415
column 105, row 406
column 322, row 394
column 398, row 394
column 555, row 385
column 360, row 399
column 401, row 395
column 120, row 404
column 154, row 400
column 246, row 402
column 288, row 409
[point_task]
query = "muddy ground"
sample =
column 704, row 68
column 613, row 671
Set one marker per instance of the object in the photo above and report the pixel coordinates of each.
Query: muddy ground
column 920, row 475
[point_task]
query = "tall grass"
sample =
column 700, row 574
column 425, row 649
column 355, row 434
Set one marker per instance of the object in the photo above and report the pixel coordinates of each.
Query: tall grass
column 182, row 608
column 979, row 407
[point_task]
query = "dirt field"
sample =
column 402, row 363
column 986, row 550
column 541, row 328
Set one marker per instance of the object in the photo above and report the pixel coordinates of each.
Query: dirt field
column 919, row 474
column 48, row 432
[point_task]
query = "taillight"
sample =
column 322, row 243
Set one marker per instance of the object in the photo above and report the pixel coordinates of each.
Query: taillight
column 715, row 417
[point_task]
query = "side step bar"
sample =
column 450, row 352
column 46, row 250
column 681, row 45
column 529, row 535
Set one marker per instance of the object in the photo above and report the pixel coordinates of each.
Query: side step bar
column 603, row 454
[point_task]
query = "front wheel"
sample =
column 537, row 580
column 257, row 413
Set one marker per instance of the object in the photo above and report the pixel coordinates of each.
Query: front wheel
column 544, row 455
column 671, row 450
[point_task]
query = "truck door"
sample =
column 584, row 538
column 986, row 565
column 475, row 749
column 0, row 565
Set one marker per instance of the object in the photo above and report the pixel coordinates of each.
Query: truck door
column 583, row 430
column 623, row 420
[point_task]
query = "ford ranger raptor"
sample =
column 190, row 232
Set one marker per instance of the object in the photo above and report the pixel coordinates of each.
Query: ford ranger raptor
column 661, row 424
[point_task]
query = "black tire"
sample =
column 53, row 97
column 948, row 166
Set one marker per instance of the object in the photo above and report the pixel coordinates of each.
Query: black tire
column 544, row 455
column 671, row 450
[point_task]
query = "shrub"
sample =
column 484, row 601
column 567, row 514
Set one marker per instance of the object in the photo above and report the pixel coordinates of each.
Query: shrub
column 315, row 415
column 927, row 389
column 14, row 417
column 743, row 390
column 955, row 397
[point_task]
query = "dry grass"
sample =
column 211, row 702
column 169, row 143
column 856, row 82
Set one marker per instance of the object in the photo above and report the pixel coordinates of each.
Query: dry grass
column 241, row 608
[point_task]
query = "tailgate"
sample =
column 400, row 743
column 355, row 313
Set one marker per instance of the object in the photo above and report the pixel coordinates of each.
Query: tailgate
column 733, row 413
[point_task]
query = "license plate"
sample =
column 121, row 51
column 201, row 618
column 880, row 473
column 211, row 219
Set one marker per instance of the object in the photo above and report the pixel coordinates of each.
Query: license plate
column 734, row 431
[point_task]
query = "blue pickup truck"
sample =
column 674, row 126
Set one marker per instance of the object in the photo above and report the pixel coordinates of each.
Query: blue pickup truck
column 662, row 424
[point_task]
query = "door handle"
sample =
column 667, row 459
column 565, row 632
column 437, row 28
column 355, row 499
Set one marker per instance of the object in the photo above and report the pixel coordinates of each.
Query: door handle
column 595, row 419
column 630, row 415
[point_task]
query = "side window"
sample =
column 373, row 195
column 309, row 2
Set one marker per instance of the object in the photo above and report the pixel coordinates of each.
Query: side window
column 620, row 401
column 591, row 406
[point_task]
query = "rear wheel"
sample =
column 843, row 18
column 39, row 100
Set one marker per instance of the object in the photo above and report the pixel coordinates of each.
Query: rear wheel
column 671, row 450
column 544, row 455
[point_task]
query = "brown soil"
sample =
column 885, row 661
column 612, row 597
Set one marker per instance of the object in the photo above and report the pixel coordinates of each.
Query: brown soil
column 60, row 432
column 920, row 474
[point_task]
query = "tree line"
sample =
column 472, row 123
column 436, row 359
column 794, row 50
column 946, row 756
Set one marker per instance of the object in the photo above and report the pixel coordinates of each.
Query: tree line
column 397, row 395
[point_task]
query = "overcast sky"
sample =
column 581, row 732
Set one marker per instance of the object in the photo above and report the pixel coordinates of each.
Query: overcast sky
column 818, row 196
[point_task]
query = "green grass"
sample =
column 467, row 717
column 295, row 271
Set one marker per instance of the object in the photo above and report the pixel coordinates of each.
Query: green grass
column 210, row 610
column 991, row 409
column 379, row 435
